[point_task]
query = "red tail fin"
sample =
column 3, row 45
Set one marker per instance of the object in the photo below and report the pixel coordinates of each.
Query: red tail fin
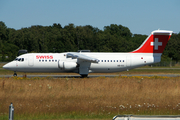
column 155, row 43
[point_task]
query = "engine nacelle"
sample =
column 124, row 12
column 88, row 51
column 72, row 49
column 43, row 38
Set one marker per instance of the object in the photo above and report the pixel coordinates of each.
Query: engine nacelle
column 67, row 65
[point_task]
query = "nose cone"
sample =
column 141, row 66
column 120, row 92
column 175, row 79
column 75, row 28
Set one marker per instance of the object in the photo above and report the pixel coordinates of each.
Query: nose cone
column 5, row 66
column 10, row 66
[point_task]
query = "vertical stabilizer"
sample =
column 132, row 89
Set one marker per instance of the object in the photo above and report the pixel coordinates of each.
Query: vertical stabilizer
column 155, row 43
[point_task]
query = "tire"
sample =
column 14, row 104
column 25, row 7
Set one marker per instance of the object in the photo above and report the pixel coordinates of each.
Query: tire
column 84, row 76
column 15, row 74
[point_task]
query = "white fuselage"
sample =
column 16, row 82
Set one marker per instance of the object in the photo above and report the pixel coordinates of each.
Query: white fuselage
column 84, row 62
column 107, row 62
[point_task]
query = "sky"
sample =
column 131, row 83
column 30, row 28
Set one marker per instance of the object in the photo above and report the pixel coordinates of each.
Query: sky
column 140, row 16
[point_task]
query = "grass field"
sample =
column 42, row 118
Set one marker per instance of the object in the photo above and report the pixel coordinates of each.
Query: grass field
column 89, row 98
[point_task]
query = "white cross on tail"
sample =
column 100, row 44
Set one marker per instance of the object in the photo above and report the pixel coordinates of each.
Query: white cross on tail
column 156, row 44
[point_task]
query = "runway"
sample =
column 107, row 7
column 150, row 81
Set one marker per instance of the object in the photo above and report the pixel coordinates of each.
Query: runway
column 91, row 76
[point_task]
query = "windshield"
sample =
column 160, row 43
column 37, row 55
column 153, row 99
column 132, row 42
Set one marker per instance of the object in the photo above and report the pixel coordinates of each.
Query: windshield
column 19, row 59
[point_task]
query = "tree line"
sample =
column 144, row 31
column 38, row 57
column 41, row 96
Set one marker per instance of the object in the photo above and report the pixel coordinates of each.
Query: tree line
column 55, row 38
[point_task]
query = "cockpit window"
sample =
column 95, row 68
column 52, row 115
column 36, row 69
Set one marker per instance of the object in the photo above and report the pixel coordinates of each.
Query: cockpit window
column 16, row 59
column 19, row 59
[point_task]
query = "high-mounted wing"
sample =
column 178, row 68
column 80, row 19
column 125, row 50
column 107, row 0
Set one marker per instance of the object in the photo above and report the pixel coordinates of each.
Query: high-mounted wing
column 82, row 57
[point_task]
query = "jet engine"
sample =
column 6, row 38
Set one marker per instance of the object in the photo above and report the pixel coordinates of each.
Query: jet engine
column 67, row 65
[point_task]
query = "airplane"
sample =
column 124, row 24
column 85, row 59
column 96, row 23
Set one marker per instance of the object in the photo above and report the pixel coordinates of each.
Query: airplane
column 84, row 62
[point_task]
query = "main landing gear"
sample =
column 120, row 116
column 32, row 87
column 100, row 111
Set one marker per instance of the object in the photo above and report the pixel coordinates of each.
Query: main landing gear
column 84, row 76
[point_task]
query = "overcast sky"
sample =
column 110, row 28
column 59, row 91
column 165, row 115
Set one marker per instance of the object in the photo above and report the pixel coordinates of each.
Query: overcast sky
column 140, row 16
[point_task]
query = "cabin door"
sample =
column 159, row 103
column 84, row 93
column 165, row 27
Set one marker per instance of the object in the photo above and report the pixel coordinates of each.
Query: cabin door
column 30, row 60
column 128, row 61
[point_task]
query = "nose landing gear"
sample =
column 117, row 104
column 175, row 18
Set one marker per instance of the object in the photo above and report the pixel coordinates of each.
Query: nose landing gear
column 15, row 74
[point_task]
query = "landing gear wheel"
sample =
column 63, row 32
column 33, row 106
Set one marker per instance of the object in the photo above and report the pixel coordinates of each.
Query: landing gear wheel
column 15, row 74
column 84, row 76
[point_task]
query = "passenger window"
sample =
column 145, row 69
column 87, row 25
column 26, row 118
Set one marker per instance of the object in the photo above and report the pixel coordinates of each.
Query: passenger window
column 123, row 60
column 45, row 60
column 55, row 60
column 49, row 60
column 52, row 60
column 39, row 60
column 108, row 60
column 111, row 60
column 42, row 60
column 104, row 60
column 117, row 60
column 120, row 60
column 101, row 60
column 114, row 61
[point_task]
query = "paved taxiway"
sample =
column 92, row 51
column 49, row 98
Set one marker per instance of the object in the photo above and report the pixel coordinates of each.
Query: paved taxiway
column 91, row 76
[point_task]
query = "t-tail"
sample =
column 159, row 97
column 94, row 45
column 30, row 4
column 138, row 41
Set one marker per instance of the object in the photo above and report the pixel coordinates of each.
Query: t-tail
column 155, row 44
